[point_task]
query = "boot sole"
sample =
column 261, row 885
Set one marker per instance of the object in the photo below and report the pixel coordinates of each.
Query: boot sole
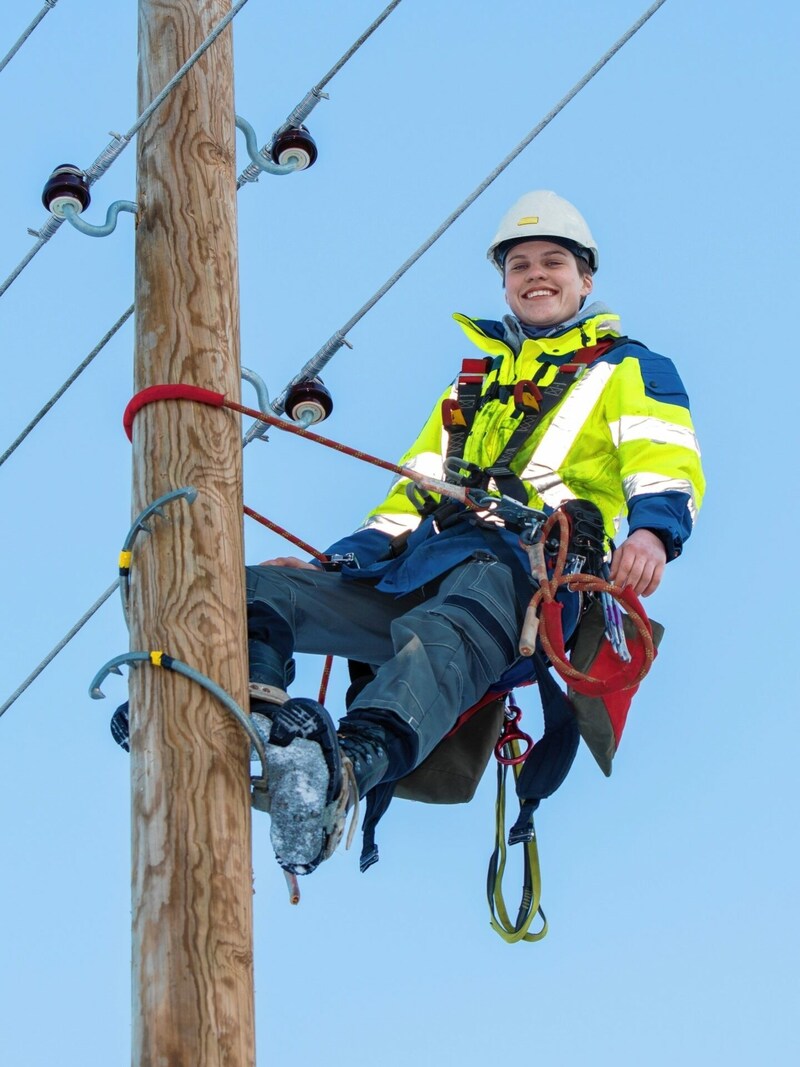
column 305, row 785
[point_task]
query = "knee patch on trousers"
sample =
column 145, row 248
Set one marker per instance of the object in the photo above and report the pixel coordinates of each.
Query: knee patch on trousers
column 485, row 622
column 484, row 610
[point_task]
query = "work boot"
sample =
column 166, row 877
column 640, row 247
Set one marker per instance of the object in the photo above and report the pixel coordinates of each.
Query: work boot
column 367, row 749
column 311, row 787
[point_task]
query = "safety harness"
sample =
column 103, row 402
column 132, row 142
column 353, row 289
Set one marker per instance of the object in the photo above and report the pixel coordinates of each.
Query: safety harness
column 531, row 404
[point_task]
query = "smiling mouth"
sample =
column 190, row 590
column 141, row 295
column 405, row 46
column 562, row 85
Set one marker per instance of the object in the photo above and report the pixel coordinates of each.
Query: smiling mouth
column 535, row 294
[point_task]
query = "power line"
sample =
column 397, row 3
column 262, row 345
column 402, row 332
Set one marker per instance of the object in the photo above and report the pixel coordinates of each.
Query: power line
column 61, row 644
column 101, row 344
column 300, row 113
column 250, row 174
column 121, row 140
column 317, row 362
column 48, row 6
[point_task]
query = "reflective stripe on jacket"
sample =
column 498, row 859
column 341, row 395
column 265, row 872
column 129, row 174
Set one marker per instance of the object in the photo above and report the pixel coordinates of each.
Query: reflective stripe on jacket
column 622, row 437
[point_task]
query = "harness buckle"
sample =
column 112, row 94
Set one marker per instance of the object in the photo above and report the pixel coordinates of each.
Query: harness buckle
column 455, row 468
column 520, row 519
column 527, row 397
column 452, row 415
column 337, row 560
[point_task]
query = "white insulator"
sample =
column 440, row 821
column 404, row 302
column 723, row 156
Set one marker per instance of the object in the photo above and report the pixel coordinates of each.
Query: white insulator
column 301, row 159
column 310, row 410
column 58, row 203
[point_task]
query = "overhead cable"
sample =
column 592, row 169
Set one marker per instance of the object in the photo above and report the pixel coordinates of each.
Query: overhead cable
column 48, row 6
column 317, row 362
column 101, row 344
column 121, row 140
column 61, row 644
column 299, row 114
column 296, row 117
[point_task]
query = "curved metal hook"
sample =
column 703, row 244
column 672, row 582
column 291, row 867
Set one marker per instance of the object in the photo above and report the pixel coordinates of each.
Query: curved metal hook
column 71, row 214
column 257, row 157
column 113, row 667
column 258, row 429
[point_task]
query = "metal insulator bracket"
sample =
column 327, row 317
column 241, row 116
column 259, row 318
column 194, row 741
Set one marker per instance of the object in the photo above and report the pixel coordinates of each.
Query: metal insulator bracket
column 70, row 213
column 66, row 195
column 258, row 429
column 297, row 150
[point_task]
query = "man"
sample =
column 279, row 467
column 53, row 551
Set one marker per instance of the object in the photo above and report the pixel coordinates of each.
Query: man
column 434, row 603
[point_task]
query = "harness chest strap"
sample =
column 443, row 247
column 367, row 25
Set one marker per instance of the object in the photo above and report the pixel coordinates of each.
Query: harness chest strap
column 458, row 414
column 531, row 404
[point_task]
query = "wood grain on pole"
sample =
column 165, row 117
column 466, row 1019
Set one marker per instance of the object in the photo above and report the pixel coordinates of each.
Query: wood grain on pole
column 192, row 876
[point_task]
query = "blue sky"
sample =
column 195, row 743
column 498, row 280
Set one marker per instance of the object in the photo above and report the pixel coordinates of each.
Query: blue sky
column 670, row 888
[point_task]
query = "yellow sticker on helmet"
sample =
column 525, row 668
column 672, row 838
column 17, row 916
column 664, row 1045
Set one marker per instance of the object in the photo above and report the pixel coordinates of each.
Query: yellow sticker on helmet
column 528, row 220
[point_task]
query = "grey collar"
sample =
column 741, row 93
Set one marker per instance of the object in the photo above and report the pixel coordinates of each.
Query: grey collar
column 516, row 332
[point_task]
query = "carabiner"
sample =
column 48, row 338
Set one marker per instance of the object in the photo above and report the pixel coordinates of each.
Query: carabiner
column 511, row 732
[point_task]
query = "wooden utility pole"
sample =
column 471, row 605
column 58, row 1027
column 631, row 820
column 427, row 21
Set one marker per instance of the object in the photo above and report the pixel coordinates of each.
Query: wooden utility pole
column 192, row 875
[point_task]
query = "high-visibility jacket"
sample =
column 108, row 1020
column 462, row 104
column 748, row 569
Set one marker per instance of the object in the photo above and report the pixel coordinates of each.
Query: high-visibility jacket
column 621, row 436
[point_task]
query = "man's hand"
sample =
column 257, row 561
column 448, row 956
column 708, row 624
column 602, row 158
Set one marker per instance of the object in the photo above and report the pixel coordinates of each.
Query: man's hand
column 639, row 561
column 289, row 561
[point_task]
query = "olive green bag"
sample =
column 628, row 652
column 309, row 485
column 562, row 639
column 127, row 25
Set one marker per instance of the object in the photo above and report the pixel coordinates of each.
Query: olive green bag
column 451, row 773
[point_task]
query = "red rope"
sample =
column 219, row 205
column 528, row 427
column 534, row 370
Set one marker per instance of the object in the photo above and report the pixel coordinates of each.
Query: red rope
column 206, row 396
column 434, row 484
column 168, row 392
column 300, row 431
column 326, row 674
column 298, row 541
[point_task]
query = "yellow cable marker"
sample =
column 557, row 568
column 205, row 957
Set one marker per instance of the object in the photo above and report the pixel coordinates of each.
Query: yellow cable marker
column 155, row 658
column 125, row 559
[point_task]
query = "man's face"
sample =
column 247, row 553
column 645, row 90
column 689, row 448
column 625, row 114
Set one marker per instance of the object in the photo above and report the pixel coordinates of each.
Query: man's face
column 543, row 284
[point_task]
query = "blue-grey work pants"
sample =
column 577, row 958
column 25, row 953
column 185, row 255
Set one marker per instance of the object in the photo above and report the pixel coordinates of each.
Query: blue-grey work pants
column 435, row 652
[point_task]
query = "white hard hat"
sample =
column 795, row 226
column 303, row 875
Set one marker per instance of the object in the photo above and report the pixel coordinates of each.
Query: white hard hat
column 542, row 213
